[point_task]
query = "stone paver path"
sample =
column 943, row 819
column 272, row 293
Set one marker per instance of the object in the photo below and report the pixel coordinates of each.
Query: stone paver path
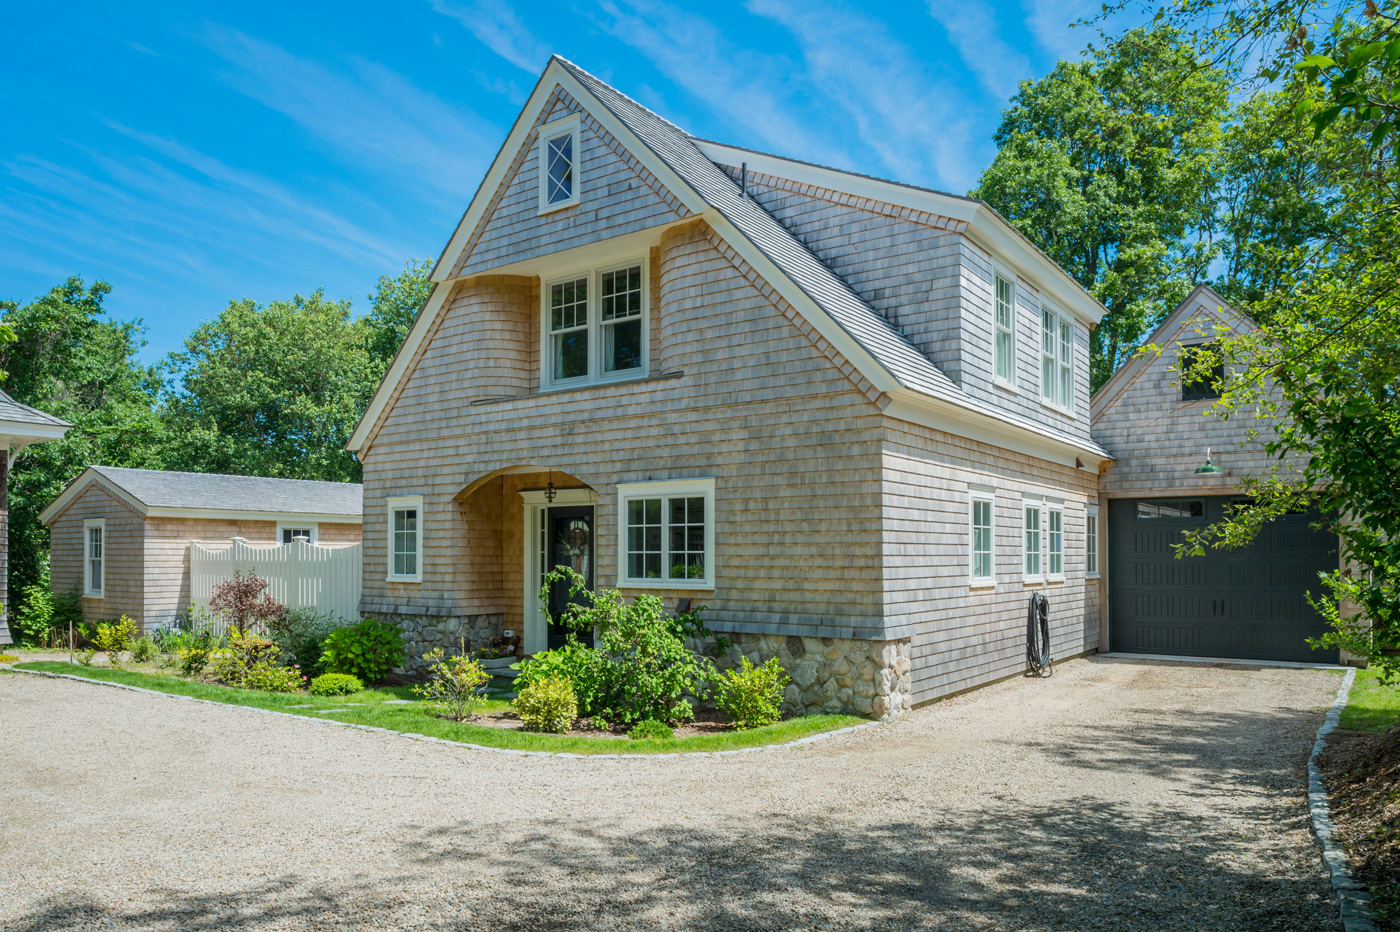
column 1116, row 795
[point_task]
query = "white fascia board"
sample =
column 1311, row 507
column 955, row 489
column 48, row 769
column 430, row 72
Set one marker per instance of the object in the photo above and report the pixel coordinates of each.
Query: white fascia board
column 918, row 408
column 988, row 228
column 847, row 345
column 80, row 485
column 239, row 515
column 25, row 433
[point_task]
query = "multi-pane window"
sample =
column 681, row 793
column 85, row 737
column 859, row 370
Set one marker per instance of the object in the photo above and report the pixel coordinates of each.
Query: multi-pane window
column 1032, row 541
column 1091, row 542
column 559, row 169
column 290, row 534
column 1209, row 385
column 406, row 538
column 1055, row 551
column 621, row 294
column 1005, row 330
column 596, row 326
column 981, row 540
column 1171, row 508
column 94, row 546
column 667, row 532
column 1056, row 359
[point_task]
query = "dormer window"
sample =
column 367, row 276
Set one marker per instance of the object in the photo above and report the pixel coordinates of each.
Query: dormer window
column 559, row 164
column 595, row 326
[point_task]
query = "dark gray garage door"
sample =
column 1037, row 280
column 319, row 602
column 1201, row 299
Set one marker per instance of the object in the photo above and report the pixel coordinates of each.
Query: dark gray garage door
column 1248, row 603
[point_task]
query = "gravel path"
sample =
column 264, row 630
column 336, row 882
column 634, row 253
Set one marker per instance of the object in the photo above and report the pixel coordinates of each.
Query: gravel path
column 1117, row 795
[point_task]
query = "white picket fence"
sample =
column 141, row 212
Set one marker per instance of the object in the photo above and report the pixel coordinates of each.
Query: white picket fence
column 299, row 574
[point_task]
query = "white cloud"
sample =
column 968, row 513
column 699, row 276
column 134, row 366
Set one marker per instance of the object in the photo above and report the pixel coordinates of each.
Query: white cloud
column 363, row 110
column 917, row 125
column 497, row 27
column 1049, row 21
column 973, row 29
column 742, row 86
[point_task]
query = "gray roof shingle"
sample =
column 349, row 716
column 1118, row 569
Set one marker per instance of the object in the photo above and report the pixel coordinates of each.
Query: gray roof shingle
column 158, row 489
column 11, row 410
column 890, row 348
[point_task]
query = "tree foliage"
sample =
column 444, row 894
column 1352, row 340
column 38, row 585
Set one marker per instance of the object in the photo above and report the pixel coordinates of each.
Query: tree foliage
column 394, row 306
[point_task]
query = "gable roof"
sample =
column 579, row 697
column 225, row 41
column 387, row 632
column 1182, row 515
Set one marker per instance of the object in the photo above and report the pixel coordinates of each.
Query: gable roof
column 877, row 350
column 156, row 493
column 21, row 425
column 1202, row 296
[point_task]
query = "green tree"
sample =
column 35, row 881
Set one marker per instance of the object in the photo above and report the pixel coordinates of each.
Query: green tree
column 394, row 306
column 271, row 391
column 1109, row 165
column 72, row 361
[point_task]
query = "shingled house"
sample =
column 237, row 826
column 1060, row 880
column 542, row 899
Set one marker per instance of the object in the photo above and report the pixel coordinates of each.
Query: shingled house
column 121, row 537
column 20, row 425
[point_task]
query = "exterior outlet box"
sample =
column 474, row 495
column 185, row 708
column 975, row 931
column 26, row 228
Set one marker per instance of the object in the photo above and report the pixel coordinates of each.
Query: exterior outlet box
column 508, row 633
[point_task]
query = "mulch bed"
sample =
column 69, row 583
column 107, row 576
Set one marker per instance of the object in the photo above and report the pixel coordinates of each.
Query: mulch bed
column 707, row 722
column 1363, row 781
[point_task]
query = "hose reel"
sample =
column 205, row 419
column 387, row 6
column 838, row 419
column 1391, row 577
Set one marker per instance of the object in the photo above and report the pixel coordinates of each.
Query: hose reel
column 1038, row 635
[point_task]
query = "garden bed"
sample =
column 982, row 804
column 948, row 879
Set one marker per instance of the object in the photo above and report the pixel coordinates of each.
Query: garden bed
column 383, row 707
column 707, row 722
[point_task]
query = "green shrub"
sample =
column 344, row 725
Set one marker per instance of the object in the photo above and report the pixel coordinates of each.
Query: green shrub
column 650, row 728
column 43, row 616
column 644, row 669
column 453, row 682
column 272, row 677
column 144, row 650
column 335, row 684
column 114, row 637
column 581, row 666
column 547, row 705
column 369, row 650
column 751, row 696
column 85, row 657
column 193, row 660
column 299, row 634
column 233, row 665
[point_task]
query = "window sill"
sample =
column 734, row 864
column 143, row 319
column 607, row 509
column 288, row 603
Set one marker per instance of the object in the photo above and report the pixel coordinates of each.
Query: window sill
column 577, row 387
column 1092, row 576
column 1058, row 409
column 1055, row 580
column 1032, row 580
column 1006, row 386
column 404, row 579
column 982, row 584
column 699, row 584
column 93, row 595
column 555, row 208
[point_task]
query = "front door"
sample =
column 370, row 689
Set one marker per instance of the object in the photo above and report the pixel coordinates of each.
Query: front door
column 568, row 542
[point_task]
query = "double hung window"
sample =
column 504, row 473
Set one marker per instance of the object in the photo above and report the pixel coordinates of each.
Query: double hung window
column 94, row 556
column 1091, row 541
column 1005, row 330
column 406, row 538
column 1056, row 359
column 596, row 326
column 982, row 565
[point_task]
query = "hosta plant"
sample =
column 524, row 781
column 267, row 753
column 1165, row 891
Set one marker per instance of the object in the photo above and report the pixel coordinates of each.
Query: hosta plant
column 370, row 650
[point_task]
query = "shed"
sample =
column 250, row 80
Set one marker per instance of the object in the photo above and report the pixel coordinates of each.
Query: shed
column 20, row 425
column 121, row 537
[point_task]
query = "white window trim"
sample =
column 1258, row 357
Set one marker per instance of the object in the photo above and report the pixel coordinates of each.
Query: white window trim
column 1059, row 509
column 596, row 376
column 396, row 503
column 1008, row 384
column 1039, row 506
column 1092, row 511
column 297, row 525
column 980, row 494
column 88, row 591
column 569, row 124
column 673, row 488
column 1048, row 400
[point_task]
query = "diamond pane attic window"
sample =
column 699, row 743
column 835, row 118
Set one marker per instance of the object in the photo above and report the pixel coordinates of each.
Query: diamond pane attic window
column 559, row 164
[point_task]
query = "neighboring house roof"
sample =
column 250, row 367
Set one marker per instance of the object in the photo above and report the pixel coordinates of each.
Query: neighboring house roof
column 21, row 425
column 1201, row 297
column 156, row 493
column 877, row 350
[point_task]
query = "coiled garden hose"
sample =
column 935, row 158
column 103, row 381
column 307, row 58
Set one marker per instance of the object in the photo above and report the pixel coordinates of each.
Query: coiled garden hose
column 1038, row 635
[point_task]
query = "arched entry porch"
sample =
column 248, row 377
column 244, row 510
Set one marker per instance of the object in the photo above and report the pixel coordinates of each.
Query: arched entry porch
column 520, row 522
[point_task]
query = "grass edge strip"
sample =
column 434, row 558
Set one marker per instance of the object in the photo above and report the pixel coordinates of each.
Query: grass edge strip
column 515, row 752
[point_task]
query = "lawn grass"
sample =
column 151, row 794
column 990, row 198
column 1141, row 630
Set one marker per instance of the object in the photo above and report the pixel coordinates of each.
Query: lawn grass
column 368, row 708
column 1371, row 706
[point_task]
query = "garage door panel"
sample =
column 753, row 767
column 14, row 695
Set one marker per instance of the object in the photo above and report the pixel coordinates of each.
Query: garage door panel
column 1249, row 603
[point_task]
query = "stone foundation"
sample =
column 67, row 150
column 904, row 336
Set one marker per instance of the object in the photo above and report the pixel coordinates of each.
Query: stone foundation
column 421, row 633
column 833, row 675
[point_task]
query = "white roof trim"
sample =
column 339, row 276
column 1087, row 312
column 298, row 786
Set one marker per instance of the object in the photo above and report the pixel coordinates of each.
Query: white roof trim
column 28, row 433
column 80, row 485
column 989, row 229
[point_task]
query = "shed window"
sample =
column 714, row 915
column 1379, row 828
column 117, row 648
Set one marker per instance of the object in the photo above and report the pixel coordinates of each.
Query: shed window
column 289, row 533
column 94, row 547
column 1209, row 385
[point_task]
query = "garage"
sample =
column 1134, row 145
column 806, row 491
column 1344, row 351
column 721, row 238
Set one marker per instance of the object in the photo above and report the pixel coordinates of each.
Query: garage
column 1249, row 603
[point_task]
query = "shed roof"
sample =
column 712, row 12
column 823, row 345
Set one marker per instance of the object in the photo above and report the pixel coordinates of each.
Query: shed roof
column 171, row 494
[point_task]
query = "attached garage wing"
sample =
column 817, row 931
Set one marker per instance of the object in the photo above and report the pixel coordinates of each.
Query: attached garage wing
column 1250, row 603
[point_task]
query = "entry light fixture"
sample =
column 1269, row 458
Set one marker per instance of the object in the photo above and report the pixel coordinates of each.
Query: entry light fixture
column 1208, row 468
column 549, row 492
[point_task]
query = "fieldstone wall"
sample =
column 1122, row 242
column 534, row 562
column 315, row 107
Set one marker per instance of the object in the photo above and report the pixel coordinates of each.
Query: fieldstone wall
column 421, row 633
column 833, row 675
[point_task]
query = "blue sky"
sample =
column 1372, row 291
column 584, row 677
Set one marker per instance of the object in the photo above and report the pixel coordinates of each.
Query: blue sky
column 192, row 153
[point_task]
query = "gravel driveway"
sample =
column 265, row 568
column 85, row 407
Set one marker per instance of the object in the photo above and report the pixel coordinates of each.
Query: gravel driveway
column 1117, row 795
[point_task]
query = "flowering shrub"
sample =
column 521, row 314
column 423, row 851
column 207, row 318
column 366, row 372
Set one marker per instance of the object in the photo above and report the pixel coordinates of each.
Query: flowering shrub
column 547, row 705
column 114, row 637
column 273, row 678
column 193, row 660
column 369, row 650
column 335, row 684
column 751, row 696
column 233, row 665
column 453, row 682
